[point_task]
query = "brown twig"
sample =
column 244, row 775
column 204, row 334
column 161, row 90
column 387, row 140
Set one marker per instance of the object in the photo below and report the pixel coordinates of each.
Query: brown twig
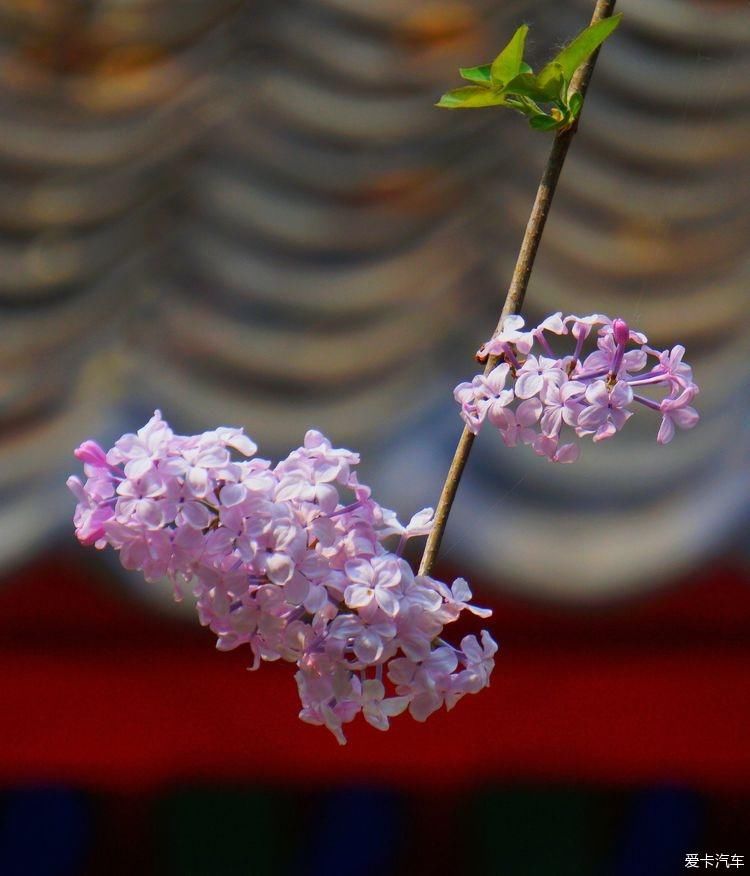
column 516, row 292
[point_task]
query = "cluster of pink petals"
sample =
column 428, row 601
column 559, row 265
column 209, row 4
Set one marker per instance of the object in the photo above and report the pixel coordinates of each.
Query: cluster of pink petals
column 535, row 396
column 290, row 560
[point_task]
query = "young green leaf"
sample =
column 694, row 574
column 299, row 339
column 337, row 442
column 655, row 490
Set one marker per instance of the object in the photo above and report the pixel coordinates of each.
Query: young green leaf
column 508, row 62
column 510, row 81
column 527, row 85
column 582, row 47
column 470, row 97
column 544, row 123
column 575, row 104
column 551, row 81
column 479, row 75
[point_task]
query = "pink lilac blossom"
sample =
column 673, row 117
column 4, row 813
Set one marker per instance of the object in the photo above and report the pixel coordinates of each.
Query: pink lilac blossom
column 290, row 560
column 546, row 400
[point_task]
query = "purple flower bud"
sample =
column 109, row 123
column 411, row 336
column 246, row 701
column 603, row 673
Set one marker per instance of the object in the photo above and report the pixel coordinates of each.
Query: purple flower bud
column 621, row 331
column 90, row 452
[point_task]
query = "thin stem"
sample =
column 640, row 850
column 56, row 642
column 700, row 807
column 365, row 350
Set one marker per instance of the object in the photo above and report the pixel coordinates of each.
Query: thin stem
column 517, row 290
column 647, row 402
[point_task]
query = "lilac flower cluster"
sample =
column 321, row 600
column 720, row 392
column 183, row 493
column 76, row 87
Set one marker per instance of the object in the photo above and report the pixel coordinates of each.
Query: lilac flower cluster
column 536, row 397
column 278, row 561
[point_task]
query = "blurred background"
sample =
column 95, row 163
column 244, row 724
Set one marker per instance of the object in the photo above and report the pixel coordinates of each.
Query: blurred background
column 248, row 212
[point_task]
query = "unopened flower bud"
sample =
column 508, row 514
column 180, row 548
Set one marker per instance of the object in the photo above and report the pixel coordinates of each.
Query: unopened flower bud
column 90, row 452
column 620, row 331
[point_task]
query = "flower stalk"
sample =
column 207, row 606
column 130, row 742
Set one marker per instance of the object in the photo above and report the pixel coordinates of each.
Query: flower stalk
column 517, row 289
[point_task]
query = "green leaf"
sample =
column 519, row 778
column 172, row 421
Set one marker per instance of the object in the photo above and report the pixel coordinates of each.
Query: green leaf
column 470, row 97
column 551, row 81
column 508, row 62
column 480, row 75
column 544, row 123
column 574, row 105
column 526, row 85
column 583, row 46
